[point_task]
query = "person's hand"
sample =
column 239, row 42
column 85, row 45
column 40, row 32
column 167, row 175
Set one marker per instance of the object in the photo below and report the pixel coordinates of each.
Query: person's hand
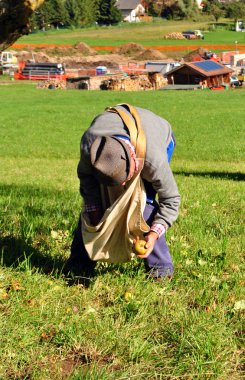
column 150, row 239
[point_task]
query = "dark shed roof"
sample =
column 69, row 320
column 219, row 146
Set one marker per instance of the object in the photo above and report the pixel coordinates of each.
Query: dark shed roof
column 204, row 68
column 127, row 4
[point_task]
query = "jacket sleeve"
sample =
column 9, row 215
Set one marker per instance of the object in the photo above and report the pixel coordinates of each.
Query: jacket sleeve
column 164, row 184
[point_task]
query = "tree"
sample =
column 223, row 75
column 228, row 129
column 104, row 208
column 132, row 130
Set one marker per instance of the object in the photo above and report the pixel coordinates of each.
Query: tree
column 173, row 9
column 89, row 11
column 213, row 7
column 43, row 15
column 108, row 13
column 14, row 19
column 154, row 8
column 59, row 15
column 190, row 8
column 216, row 11
column 235, row 10
column 73, row 11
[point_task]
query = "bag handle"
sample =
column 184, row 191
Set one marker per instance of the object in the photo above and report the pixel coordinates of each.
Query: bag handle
column 136, row 132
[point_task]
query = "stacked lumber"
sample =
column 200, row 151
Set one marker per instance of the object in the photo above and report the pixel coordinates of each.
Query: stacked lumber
column 52, row 84
column 141, row 82
column 174, row 36
column 157, row 80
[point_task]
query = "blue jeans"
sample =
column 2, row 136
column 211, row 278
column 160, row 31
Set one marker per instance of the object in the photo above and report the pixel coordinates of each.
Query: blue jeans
column 159, row 263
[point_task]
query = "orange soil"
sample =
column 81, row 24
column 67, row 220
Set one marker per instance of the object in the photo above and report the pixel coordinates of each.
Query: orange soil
column 161, row 48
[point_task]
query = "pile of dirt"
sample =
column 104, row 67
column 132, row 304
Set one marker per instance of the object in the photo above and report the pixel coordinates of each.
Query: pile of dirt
column 82, row 57
column 84, row 49
column 150, row 54
column 129, row 49
column 75, row 61
column 194, row 53
column 111, row 61
column 26, row 56
column 54, row 50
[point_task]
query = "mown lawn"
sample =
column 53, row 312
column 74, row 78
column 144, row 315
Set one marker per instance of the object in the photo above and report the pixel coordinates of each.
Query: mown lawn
column 147, row 34
column 122, row 326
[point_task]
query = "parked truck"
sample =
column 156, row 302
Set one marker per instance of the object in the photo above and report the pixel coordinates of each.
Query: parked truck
column 193, row 34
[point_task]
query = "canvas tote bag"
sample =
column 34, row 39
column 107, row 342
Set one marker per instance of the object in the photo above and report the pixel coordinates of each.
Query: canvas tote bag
column 112, row 239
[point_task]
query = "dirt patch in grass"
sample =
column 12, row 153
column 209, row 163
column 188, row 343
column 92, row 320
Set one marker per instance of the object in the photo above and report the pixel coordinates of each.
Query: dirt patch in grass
column 61, row 368
column 82, row 362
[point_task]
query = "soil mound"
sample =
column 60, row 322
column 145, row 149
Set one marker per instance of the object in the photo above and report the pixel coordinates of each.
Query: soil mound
column 150, row 54
column 198, row 52
column 84, row 49
column 25, row 55
column 129, row 49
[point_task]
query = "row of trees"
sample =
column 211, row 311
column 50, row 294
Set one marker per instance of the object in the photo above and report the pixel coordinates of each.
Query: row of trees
column 188, row 8
column 76, row 13
column 172, row 9
column 229, row 9
column 80, row 13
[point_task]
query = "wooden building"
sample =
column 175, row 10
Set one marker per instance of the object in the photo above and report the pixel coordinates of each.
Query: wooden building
column 205, row 73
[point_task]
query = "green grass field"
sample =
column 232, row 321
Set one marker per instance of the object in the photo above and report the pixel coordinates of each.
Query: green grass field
column 148, row 34
column 122, row 326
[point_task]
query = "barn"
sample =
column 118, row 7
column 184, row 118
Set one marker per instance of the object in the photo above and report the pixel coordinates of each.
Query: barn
column 205, row 73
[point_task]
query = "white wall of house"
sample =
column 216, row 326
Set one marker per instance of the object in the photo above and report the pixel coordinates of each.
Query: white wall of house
column 239, row 26
column 199, row 3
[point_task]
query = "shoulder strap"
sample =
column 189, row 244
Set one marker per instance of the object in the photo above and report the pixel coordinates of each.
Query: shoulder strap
column 136, row 132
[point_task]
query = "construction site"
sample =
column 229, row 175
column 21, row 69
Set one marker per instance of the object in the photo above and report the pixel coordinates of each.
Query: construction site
column 130, row 67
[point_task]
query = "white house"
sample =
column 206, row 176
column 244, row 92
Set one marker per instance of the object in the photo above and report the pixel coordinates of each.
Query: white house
column 131, row 9
column 200, row 4
column 239, row 26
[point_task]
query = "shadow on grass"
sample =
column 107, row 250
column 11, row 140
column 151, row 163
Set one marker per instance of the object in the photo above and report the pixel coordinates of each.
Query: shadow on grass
column 15, row 252
column 32, row 210
column 219, row 175
column 25, row 245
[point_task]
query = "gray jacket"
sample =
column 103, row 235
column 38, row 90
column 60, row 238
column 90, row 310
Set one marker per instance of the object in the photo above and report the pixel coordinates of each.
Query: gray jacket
column 156, row 167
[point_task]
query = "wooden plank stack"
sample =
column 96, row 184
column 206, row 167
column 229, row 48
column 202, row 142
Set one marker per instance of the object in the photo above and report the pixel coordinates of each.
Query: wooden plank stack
column 52, row 84
column 174, row 36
